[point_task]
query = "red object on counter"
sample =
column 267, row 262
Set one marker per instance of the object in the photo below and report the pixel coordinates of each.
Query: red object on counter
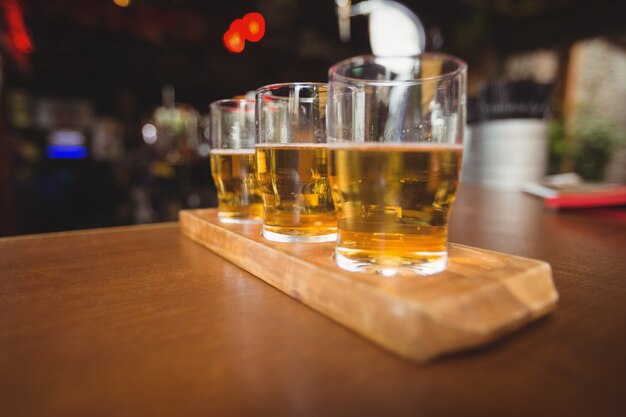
column 610, row 197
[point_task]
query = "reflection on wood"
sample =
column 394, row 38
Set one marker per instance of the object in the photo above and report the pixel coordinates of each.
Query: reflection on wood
column 482, row 296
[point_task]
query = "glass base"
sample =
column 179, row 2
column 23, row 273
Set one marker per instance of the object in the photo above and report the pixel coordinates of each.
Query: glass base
column 432, row 263
column 239, row 220
column 280, row 237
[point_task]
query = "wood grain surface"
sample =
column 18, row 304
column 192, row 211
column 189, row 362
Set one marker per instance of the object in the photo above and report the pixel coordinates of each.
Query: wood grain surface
column 143, row 321
column 481, row 296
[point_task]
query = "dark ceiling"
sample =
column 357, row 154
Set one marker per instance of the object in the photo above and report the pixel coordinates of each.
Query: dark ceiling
column 95, row 49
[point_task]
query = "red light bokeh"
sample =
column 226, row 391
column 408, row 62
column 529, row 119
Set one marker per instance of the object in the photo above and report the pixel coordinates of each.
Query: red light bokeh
column 17, row 34
column 234, row 41
column 255, row 26
column 250, row 28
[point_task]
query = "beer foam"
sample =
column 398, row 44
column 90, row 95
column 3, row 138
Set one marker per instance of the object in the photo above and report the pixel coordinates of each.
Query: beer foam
column 396, row 146
column 292, row 145
column 232, row 151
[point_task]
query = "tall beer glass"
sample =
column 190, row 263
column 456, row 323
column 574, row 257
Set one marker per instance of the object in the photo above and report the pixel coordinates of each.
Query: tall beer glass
column 292, row 163
column 395, row 158
column 233, row 163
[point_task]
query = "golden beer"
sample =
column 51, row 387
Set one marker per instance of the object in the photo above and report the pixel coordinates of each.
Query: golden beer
column 234, row 174
column 393, row 204
column 294, row 183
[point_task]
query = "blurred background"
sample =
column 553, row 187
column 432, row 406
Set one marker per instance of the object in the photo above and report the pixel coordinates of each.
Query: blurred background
column 103, row 103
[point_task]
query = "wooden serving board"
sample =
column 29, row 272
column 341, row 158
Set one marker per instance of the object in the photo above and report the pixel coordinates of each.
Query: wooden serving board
column 481, row 296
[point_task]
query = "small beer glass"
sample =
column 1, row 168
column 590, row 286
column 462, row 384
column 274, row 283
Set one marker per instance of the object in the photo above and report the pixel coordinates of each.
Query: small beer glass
column 292, row 163
column 395, row 154
column 233, row 163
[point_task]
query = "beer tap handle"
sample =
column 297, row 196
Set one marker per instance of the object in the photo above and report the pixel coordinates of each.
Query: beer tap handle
column 343, row 18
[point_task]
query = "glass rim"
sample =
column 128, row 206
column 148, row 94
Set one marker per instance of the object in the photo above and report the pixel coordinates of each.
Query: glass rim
column 225, row 101
column 461, row 67
column 264, row 90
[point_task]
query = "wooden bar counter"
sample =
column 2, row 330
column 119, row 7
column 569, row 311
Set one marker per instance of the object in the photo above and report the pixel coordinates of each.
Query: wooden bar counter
column 142, row 321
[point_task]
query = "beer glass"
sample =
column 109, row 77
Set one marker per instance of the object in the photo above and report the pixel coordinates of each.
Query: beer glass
column 232, row 161
column 292, row 163
column 395, row 154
